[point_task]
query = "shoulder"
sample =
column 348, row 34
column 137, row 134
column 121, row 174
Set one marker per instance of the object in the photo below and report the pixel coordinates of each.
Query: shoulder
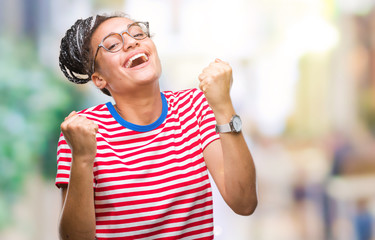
column 183, row 94
column 96, row 112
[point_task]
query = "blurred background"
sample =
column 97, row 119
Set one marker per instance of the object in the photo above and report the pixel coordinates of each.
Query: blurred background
column 304, row 85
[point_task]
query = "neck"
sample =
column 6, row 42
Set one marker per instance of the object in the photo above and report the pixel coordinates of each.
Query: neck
column 141, row 107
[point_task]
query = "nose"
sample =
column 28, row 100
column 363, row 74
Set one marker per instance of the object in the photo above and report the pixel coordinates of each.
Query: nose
column 129, row 42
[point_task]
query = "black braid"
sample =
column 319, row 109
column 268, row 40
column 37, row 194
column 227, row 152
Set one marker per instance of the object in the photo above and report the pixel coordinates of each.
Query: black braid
column 74, row 51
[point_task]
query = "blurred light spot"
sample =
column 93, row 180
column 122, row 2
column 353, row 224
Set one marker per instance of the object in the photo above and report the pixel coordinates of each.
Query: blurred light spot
column 218, row 230
column 312, row 34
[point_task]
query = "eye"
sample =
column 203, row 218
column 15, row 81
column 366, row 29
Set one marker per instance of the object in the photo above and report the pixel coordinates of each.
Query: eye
column 140, row 35
column 113, row 42
column 113, row 46
column 138, row 31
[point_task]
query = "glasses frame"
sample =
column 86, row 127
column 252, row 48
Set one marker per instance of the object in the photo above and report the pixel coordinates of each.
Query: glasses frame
column 123, row 40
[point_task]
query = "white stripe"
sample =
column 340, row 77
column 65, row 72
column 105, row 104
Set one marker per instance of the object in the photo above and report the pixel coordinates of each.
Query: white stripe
column 64, row 155
column 59, row 180
column 64, row 172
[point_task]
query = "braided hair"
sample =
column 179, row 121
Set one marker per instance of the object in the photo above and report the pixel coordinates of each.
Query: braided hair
column 75, row 58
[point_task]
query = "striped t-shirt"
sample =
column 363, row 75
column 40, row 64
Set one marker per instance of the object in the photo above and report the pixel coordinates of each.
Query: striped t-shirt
column 151, row 182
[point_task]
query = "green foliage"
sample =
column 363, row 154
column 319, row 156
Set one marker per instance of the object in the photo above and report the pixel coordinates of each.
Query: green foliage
column 33, row 102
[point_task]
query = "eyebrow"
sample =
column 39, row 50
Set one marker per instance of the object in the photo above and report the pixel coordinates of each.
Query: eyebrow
column 127, row 27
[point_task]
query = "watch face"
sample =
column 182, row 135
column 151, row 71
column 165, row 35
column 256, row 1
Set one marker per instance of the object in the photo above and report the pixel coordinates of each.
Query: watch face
column 237, row 124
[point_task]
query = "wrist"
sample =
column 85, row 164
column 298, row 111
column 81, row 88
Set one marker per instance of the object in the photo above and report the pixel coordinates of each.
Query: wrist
column 83, row 161
column 233, row 126
column 224, row 113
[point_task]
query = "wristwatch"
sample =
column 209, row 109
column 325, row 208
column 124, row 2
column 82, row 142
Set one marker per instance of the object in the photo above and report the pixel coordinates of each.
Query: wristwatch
column 234, row 126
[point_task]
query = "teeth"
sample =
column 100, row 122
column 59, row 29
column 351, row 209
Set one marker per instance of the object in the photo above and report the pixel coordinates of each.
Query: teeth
column 129, row 63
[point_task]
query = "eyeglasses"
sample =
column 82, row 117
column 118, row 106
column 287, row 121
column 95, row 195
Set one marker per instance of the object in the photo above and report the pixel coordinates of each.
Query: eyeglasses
column 114, row 42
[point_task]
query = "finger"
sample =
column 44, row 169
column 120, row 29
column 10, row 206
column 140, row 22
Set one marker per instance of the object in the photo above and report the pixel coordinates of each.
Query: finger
column 71, row 114
column 73, row 118
column 208, row 68
column 218, row 60
column 212, row 69
column 96, row 127
column 68, row 121
column 90, row 128
column 216, row 66
column 87, row 123
column 202, row 76
column 202, row 87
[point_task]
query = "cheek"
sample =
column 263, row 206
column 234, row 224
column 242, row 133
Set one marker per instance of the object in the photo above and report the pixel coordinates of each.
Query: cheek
column 157, row 60
column 158, row 63
column 108, row 64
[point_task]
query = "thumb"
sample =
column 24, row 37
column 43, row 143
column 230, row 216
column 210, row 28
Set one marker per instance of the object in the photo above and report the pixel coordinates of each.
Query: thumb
column 96, row 128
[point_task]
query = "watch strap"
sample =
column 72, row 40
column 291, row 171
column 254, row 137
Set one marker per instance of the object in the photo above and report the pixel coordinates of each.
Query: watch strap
column 234, row 126
column 223, row 128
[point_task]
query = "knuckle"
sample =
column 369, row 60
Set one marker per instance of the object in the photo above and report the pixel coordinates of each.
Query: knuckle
column 72, row 127
column 215, row 75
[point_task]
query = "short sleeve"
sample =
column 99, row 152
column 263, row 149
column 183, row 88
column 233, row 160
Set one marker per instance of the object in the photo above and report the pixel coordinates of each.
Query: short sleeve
column 206, row 119
column 64, row 160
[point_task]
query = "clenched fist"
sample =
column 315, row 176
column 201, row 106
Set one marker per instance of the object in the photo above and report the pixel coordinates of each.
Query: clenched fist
column 215, row 82
column 80, row 134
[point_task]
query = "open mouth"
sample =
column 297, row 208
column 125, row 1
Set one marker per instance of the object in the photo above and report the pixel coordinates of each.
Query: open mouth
column 136, row 60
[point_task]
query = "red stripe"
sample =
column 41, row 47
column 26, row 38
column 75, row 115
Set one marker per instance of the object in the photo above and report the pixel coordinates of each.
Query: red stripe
column 62, row 175
column 64, row 159
column 62, row 167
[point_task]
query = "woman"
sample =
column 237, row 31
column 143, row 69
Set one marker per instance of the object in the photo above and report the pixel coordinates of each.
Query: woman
column 138, row 169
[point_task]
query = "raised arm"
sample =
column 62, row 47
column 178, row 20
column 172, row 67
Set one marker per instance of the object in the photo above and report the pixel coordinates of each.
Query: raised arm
column 77, row 221
column 228, row 159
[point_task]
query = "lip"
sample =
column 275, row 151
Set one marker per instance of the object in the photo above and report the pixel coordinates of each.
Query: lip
column 133, row 54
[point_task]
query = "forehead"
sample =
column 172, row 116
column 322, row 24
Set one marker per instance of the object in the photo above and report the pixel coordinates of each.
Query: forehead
column 116, row 24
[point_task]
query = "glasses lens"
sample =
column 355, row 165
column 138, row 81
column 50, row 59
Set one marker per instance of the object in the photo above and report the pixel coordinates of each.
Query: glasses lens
column 138, row 30
column 113, row 42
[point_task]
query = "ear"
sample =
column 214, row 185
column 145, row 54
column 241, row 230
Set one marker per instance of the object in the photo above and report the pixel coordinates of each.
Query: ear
column 98, row 80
